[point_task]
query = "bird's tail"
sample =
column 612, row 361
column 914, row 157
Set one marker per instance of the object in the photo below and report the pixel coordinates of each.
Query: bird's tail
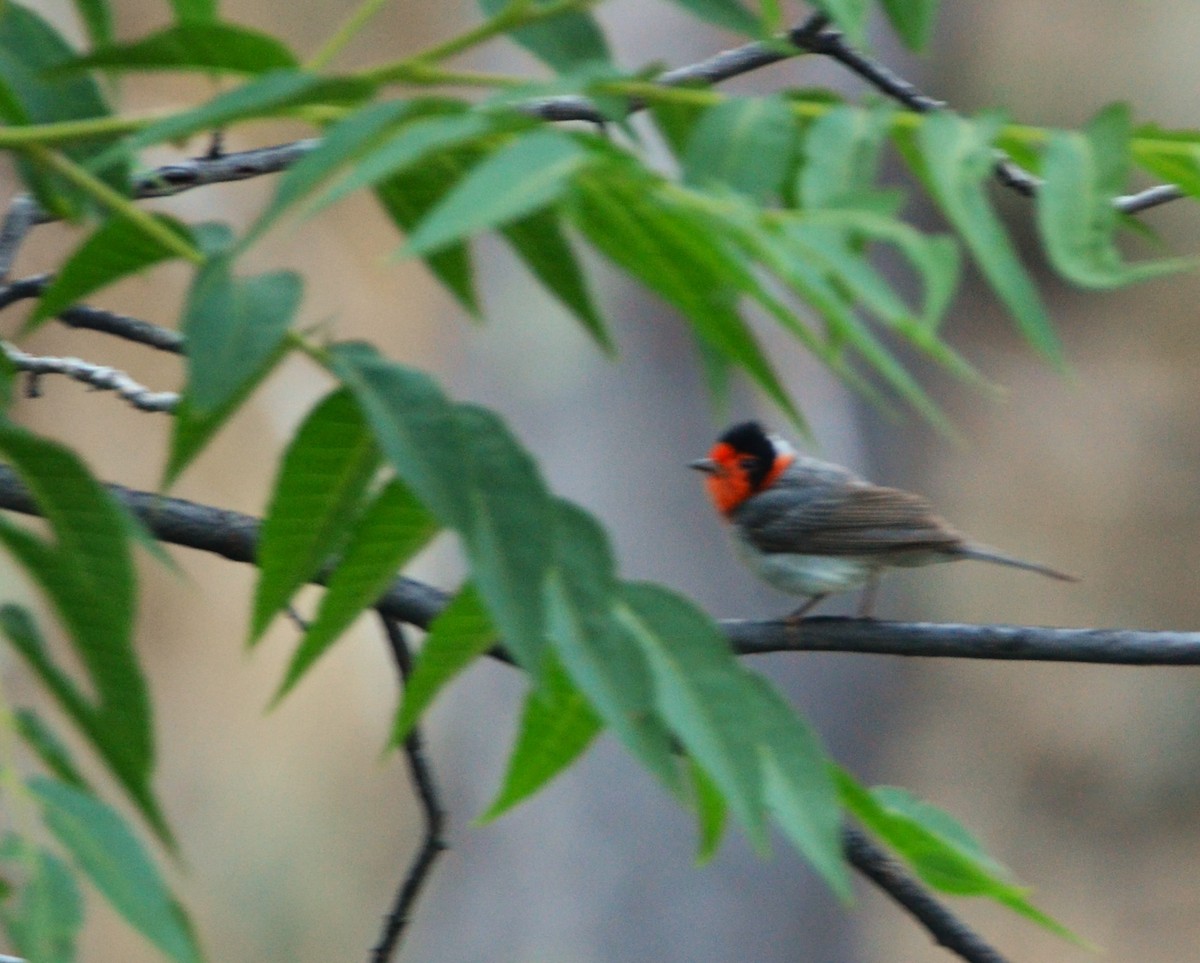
column 983, row 553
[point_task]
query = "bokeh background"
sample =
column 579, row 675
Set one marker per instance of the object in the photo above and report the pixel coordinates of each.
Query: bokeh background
column 1085, row 781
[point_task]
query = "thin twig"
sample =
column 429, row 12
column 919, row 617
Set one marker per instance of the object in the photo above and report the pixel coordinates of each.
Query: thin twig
column 234, row 536
column 95, row 319
column 97, row 376
column 946, row 929
column 432, row 845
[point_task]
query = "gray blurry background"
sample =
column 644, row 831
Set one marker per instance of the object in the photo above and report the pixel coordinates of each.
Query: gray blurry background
column 1086, row 781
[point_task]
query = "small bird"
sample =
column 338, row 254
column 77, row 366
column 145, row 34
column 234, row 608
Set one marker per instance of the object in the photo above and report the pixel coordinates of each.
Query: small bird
column 812, row 528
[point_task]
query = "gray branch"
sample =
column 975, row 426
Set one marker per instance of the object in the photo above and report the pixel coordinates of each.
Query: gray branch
column 100, row 377
column 234, row 536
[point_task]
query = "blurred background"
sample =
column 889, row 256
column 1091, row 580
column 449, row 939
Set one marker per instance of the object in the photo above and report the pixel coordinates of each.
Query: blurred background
column 1085, row 781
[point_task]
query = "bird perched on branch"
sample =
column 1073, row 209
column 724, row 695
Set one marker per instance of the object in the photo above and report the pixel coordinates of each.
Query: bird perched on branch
column 811, row 528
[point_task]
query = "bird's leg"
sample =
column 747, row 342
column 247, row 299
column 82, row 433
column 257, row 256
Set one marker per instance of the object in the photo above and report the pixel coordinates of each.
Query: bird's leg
column 868, row 597
column 799, row 614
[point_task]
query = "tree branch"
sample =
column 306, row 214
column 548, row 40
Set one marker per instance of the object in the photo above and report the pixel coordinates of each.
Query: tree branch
column 234, row 536
column 435, row 817
column 946, row 929
column 97, row 376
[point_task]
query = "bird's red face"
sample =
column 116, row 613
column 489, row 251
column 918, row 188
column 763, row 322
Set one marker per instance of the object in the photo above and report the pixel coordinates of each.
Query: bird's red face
column 744, row 461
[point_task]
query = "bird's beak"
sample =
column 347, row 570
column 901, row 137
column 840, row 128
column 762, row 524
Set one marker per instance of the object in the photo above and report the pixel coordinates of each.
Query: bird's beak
column 706, row 465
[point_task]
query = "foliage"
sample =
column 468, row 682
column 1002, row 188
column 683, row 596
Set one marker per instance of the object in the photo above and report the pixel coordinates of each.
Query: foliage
column 777, row 212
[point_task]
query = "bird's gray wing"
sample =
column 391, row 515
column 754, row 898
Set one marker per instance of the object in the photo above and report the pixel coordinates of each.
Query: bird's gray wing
column 854, row 519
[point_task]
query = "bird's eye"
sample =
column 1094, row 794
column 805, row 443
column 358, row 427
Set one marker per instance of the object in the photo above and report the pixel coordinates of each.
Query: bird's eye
column 748, row 462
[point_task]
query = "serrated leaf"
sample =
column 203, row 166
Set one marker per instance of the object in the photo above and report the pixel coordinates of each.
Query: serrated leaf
column 746, row 143
column 711, row 813
column 702, row 693
column 87, row 574
column 517, row 180
column 340, row 144
column 403, row 149
column 463, row 463
column 913, row 19
column 597, row 650
column 53, row 754
column 458, row 636
column 957, row 157
column 45, row 921
column 799, row 788
column 1082, row 173
column 115, row 250
column 211, row 46
column 938, row 849
column 322, row 479
column 542, row 245
column 675, row 254
column 842, row 151
column 391, row 530
column 232, row 326
column 407, row 197
column 563, row 43
column 106, row 850
column 557, row 726
column 729, row 14
column 272, row 93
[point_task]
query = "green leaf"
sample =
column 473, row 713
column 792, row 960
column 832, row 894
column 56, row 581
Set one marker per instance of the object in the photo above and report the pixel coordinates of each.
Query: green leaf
column 747, row 144
column 271, row 94
column 1172, row 155
column 45, row 921
column 542, row 245
column 724, row 13
column 799, row 787
column 323, row 477
column 519, row 179
column 405, row 148
column 674, row 252
column 711, row 813
column 115, row 250
column 29, row 48
column 407, row 197
column 391, row 530
column 340, row 145
column 703, row 694
column 601, row 656
column 462, row 462
column 557, row 726
column 233, row 325
column 211, row 46
column 563, row 42
column 938, row 848
column 851, row 16
column 87, row 574
column 195, row 9
column 49, row 748
column 842, row 151
column 109, row 854
column 458, row 636
column 957, row 158
column 913, row 19
column 97, row 20
column 1082, row 173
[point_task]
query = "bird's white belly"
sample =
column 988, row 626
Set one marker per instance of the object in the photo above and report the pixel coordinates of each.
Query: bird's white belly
column 805, row 574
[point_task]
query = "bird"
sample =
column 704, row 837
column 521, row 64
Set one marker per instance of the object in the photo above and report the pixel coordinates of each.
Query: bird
column 812, row 528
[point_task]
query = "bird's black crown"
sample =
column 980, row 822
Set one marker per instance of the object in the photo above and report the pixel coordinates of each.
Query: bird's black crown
column 749, row 439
